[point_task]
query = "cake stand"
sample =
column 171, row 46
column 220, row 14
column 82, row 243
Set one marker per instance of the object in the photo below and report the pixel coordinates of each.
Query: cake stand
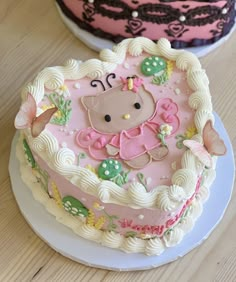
column 64, row 241
column 98, row 44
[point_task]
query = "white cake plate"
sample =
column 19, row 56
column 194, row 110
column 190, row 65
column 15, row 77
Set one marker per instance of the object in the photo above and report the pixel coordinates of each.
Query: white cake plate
column 98, row 44
column 64, row 241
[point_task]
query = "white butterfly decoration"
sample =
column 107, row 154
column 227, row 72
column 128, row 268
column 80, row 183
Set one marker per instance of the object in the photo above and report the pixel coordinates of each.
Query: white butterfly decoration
column 213, row 145
column 26, row 117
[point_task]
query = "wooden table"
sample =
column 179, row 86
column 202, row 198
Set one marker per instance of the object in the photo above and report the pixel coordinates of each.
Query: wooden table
column 33, row 36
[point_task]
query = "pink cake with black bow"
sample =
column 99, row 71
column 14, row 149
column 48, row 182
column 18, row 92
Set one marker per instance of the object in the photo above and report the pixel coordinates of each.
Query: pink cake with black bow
column 122, row 150
column 183, row 23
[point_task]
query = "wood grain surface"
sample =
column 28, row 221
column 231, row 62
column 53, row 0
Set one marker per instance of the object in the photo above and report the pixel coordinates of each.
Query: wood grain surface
column 32, row 36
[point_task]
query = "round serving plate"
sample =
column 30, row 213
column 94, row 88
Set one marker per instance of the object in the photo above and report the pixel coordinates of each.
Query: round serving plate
column 98, row 44
column 64, row 241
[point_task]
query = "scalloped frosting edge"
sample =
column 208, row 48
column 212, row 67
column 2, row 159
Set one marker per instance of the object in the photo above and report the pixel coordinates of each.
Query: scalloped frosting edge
column 62, row 160
column 153, row 246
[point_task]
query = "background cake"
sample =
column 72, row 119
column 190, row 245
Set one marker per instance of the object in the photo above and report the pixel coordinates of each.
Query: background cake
column 129, row 153
column 183, row 23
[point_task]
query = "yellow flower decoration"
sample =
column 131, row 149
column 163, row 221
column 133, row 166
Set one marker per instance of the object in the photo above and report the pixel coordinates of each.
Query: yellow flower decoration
column 57, row 114
column 46, row 107
column 97, row 206
column 100, row 222
column 56, row 194
column 190, row 132
column 63, row 87
column 63, row 91
column 91, row 168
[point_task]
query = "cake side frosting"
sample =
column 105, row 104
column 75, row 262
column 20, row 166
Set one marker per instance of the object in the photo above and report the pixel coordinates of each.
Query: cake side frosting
column 125, row 152
column 111, row 239
column 192, row 23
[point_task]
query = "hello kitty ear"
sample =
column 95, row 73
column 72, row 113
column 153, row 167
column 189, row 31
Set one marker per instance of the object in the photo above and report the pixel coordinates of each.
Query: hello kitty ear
column 89, row 102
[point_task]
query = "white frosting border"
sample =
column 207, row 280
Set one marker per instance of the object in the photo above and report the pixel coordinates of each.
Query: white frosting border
column 62, row 160
column 154, row 246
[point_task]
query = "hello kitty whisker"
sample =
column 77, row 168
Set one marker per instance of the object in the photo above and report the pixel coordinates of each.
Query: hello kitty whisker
column 107, row 78
column 94, row 83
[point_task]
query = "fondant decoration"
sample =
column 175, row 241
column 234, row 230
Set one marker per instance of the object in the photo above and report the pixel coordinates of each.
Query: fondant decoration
column 164, row 131
column 111, row 170
column 189, row 133
column 124, row 137
column 213, row 145
column 64, row 109
column 157, row 67
column 131, row 83
column 81, row 156
column 74, row 206
column 26, row 117
column 56, row 195
column 63, row 91
column 40, row 174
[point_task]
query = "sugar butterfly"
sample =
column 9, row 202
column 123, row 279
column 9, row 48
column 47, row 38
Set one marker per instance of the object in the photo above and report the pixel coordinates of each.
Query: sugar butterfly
column 26, row 117
column 213, row 145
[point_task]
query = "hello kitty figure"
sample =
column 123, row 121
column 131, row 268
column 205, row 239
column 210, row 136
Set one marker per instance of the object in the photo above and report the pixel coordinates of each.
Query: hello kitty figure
column 125, row 121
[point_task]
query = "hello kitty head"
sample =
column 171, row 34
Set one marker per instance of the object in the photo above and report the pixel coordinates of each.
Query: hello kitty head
column 119, row 108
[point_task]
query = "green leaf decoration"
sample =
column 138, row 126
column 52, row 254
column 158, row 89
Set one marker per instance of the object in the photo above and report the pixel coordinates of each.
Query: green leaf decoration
column 74, row 206
column 81, row 156
column 179, row 143
column 109, row 169
column 121, row 178
column 30, row 157
column 159, row 80
column 141, row 179
column 64, row 109
column 130, row 234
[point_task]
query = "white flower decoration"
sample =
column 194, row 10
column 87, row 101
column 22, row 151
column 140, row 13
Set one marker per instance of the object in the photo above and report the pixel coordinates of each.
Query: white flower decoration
column 63, row 91
column 166, row 129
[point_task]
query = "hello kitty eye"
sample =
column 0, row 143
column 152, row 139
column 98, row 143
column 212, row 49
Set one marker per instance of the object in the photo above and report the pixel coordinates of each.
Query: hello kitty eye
column 107, row 118
column 137, row 106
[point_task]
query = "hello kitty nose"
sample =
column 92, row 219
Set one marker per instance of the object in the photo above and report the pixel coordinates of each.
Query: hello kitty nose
column 126, row 116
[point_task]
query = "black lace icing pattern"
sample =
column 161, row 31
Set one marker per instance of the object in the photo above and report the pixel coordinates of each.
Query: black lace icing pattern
column 159, row 14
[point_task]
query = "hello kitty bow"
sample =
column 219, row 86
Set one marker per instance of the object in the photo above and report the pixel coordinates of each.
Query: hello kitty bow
column 131, row 83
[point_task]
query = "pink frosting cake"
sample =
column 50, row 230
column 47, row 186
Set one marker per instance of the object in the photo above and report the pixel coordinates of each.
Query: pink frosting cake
column 121, row 149
column 183, row 23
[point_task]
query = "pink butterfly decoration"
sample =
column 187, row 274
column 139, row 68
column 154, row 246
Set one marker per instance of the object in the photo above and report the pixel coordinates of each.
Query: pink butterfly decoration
column 213, row 145
column 136, row 82
column 26, row 117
